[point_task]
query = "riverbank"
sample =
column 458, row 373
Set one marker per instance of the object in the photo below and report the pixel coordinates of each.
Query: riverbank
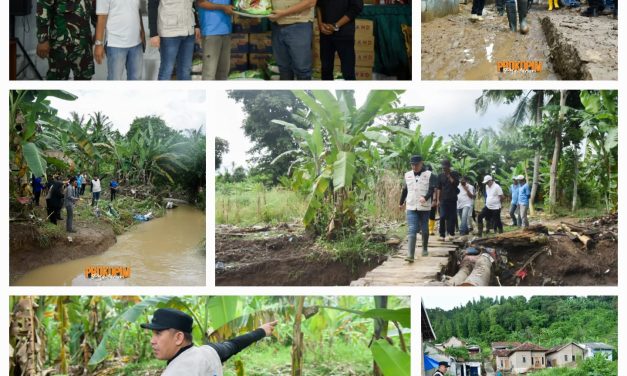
column 35, row 245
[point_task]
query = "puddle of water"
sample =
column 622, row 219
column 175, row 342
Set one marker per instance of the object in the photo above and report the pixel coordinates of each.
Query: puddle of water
column 159, row 252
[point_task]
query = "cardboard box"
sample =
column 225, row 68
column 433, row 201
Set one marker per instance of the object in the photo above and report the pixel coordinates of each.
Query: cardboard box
column 364, row 38
column 258, row 60
column 246, row 24
column 239, row 62
column 362, row 58
column 239, row 43
column 363, row 73
column 260, row 43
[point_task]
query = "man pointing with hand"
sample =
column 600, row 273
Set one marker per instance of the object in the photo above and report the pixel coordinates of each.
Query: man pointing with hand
column 172, row 341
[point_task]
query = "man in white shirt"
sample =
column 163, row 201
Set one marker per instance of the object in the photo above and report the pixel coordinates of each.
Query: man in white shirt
column 492, row 210
column 172, row 341
column 95, row 191
column 125, row 39
column 465, row 200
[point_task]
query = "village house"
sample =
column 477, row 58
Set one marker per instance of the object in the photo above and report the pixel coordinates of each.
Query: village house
column 500, row 352
column 527, row 357
column 593, row 348
column 564, row 355
column 454, row 342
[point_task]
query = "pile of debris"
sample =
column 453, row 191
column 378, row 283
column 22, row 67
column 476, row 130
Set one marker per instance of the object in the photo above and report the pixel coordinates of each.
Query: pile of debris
column 572, row 254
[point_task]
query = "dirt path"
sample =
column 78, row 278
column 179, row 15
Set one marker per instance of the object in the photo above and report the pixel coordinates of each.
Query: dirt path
column 398, row 272
column 454, row 48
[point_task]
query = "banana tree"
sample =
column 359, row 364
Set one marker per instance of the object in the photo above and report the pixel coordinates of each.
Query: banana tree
column 29, row 113
column 339, row 146
column 404, row 143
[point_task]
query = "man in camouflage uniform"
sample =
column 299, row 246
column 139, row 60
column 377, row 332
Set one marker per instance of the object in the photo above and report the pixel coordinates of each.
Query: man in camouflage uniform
column 65, row 37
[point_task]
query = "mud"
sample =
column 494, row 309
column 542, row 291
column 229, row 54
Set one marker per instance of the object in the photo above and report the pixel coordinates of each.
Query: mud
column 455, row 48
column 582, row 48
column 163, row 251
column 27, row 254
column 287, row 259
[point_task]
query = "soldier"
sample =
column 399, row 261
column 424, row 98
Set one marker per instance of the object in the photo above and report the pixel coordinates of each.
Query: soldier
column 65, row 37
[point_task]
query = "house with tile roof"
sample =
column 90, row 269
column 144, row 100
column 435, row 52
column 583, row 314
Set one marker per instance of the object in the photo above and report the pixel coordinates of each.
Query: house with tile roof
column 527, row 357
column 564, row 355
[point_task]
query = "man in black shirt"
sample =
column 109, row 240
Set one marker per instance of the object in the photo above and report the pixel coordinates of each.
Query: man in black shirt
column 448, row 182
column 336, row 21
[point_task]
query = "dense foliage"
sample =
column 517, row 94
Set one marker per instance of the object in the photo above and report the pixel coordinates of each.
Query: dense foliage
column 102, row 334
column 544, row 320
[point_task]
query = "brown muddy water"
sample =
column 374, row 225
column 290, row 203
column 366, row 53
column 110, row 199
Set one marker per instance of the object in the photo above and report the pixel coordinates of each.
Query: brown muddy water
column 163, row 251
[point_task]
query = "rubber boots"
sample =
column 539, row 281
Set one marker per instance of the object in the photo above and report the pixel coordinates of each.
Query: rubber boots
column 411, row 240
column 425, row 246
column 511, row 16
column 550, row 5
column 551, row 2
column 432, row 227
column 500, row 7
column 522, row 16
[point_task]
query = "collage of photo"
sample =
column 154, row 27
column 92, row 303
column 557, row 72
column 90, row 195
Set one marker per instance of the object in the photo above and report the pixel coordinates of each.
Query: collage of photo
column 455, row 215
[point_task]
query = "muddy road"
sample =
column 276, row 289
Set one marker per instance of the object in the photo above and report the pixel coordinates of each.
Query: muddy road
column 568, row 45
column 163, row 251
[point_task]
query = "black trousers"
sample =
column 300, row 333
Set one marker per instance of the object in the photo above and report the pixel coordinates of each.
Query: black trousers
column 492, row 217
column 36, row 198
column 448, row 215
column 113, row 191
column 477, row 7
column 52, row 215
column 345, row 48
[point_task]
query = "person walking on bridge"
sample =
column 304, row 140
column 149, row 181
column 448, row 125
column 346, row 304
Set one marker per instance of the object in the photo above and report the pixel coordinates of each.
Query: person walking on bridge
column 417, row 194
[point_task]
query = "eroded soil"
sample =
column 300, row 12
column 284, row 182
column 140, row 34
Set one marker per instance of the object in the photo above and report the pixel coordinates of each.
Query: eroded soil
column 569, row 46
column 283, row 257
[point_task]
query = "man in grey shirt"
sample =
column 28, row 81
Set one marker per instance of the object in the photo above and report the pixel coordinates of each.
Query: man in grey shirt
column 70, row 199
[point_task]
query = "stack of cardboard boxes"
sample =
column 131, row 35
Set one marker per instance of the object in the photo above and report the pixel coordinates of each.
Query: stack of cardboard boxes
column 364, row 49
column 251, row 46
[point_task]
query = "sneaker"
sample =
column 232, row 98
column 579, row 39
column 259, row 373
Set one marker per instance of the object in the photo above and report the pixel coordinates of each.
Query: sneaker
column 442, row 238
column 479, row 18
column 450, row 238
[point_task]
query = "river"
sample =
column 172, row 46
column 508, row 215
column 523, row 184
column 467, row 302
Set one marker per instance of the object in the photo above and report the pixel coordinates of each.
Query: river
column 160, row 252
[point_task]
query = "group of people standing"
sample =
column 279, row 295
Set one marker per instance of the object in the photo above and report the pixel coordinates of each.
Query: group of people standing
column 424, row 194
column 65, row 193
column 65, row 38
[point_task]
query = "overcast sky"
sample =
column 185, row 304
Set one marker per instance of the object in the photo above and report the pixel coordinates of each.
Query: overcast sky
column 446, row 112
column 181, row 109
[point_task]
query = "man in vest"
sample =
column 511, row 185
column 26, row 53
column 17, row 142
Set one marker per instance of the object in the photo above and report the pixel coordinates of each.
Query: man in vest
column 292, row 36
column 442, row 369
column 416, row 196
column 174, row 30
column 172, row 341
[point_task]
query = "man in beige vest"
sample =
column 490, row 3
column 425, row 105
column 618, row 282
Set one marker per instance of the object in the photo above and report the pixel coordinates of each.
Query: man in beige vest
column 292, row 36
column 172, row 341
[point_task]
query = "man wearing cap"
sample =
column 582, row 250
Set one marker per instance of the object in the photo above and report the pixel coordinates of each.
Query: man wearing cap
column 523, row 201
column 492, row 208
column 513, row 189
column 416, row 196
column 442, row 369
column 448, row 181
column 172, row 341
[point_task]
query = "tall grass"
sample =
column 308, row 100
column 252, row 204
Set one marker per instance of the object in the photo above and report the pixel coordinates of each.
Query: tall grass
column 246, row 204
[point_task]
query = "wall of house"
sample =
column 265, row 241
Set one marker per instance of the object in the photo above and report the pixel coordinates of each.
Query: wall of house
column 606, row 353
column 504, row 360
column 557, row 358
column 438, row 8
column 516, row 360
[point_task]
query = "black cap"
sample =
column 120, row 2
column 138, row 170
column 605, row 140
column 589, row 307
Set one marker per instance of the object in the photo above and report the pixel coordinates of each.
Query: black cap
column 415, row 159
column 445, row 364
column 168, row 318
column 446, row 163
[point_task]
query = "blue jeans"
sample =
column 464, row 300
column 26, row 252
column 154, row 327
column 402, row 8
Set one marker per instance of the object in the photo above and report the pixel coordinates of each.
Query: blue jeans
column 464, row 213
column 291, row 47
column 131, row 59
column 177, row 51
column 417, row 220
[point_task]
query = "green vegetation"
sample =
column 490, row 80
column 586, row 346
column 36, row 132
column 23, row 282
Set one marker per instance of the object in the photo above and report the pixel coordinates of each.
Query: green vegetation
column 594, row 366
column 344, row 161
column 150, row 162
column 101, row 335
column 544, row 320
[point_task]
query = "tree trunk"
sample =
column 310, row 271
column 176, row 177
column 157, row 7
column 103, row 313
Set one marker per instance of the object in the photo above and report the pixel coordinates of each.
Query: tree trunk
column 481, row 273
column 297, row 344
column 536, row 159
column 557, row 149
column 380, row 329
column 574, row 205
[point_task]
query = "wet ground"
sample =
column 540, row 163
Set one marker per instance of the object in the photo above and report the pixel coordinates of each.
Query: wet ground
column 163, row 251
column 280, row 257
column 568, row 45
